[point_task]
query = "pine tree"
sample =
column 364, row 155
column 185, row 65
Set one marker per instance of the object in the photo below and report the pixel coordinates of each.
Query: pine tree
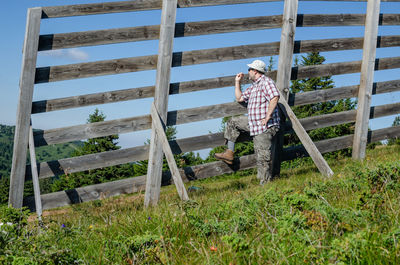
column 313, row 84
column 92, row 146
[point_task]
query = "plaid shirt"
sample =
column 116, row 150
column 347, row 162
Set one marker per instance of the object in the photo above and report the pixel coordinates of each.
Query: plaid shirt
column 258, row 96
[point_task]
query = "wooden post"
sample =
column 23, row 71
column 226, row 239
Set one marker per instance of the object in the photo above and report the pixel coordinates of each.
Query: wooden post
column 283, row 83
column 27, row 81
column 35, row 176
column 366, row 79
column 158, row 126
column 286, row 46
column 167, row 31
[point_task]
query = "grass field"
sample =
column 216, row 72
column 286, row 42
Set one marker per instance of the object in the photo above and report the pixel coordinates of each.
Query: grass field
column 300, row 218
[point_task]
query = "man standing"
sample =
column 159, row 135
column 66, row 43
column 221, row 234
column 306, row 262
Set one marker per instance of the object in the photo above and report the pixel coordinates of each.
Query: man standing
column 262, row 120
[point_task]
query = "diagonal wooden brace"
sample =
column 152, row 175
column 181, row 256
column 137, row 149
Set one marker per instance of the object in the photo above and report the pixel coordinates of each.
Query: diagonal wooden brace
column 158, row 125
column 305, row 139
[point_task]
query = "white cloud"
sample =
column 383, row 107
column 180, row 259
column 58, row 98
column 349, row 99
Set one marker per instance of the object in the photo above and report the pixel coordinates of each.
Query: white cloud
column 77, row 54
column 71, row 54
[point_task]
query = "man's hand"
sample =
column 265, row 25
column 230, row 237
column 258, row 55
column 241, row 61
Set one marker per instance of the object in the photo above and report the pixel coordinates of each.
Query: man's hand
column 266, row 119
column 238, row 91
column 239, row 77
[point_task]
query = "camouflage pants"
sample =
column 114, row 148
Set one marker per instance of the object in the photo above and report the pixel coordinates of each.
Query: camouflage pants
column 262, row 144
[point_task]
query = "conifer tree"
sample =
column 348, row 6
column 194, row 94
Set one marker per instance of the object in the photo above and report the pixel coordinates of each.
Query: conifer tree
column 332, row 106
column 92, row 146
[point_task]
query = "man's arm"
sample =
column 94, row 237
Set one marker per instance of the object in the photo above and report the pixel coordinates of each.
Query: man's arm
column 271, row 107
column 238, row 91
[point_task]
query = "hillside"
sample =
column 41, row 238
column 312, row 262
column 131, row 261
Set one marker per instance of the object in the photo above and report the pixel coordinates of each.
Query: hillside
column 43, row 153
column 300, row 218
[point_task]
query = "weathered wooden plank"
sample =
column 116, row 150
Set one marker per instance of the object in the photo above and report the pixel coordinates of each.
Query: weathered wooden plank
column 98, row 129
column 97, row 37
column 128, row 94
column 99, row 68
column 286, row 47
column 337, row 93
column 176, row 176
column 131, row 34
column 119, row 35
column 129, row 6
column 163, row 76
column 17, row 176
column 325, row 95
column 35, row 175
column 366, row 79
column 136, row 184
column 123, row 156
column 343, row 117
column 305, row 139
column 283, row 83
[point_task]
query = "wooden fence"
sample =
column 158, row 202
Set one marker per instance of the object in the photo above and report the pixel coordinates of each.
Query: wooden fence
column 32, row 75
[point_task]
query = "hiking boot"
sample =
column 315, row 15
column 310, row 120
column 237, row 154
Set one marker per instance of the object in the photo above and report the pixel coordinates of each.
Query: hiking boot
column 226, row 156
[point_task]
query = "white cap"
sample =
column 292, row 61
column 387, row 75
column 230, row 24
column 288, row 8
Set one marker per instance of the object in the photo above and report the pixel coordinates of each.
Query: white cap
column 258, row 65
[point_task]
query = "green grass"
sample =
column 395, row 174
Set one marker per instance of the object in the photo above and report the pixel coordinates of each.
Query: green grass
column 300, row 218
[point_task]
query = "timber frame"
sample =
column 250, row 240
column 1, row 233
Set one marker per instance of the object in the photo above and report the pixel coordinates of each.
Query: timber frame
column 159, row 115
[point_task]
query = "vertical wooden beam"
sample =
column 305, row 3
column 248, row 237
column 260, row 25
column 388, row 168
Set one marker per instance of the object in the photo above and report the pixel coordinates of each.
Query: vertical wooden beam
column 27, row 80
column 283, row 83
column 286, row 47
column 366, row 79
column 167, row 31
column 35, row 176
column 176, row 176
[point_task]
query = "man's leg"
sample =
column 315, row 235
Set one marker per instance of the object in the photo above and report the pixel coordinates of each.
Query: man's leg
column 262, row 149
column 233, row 128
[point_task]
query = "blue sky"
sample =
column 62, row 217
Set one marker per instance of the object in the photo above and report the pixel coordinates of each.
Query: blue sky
column 13, row 29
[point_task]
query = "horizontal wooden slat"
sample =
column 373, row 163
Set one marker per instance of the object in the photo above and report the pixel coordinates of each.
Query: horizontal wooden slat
column 110, row 36
column 122, row 156
column 140, row 5
column 98, row 129
column 134, row 64
column 341, row 68
column 203, row 171
column 337, row 93
column 333, row 119
column 129, row 6
column 119, row 35
column 128, row 94
column 92, row 69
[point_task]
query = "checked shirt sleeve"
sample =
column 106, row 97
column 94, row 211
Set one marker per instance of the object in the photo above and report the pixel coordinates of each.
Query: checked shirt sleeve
column 270, row 90
column 246, row 94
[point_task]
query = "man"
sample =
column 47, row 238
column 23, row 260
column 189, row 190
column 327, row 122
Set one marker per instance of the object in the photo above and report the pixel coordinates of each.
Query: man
column 262, row 120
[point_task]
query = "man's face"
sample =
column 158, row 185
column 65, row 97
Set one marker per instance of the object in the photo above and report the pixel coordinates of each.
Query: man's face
column 252, row 74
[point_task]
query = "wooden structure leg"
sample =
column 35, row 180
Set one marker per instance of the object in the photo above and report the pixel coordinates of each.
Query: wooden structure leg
column 283, row 83
column 27, row 81
column 160, row 131
column 35, row 177
column 167, row 31
column 366, row 79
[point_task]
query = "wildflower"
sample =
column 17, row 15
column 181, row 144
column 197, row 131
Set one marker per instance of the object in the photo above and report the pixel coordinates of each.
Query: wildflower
column 90, row 226
column 149, row 218
column 63, row 225
column 212, row 248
